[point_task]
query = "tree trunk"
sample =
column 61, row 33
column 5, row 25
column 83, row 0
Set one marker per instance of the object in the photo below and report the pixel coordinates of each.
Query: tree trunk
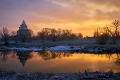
column 6, row 42
column 114, row 40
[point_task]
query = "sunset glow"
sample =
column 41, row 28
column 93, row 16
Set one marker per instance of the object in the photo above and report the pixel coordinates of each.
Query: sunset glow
column 80, row 16
column 101, row 33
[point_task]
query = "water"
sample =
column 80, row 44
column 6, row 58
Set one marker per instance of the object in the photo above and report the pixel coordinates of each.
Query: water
column 52, row 62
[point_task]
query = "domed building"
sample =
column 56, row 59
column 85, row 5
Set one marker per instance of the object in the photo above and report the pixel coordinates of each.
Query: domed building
column 23, row 33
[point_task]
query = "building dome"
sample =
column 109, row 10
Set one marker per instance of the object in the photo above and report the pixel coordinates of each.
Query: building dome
column 23, row 26
column 23, row 33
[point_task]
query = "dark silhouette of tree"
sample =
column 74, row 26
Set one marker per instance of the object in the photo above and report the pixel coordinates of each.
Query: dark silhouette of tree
column 14, row 36
column 47, row 55
column 80, row 35
column 72, row 36
column 59, row 34
column 114, row 33
column 117, row 62
column 4, row 33
column 95, row 34
column 109, row 55
column 31, row 35
column 4, row 55
column 115, row 57
column 101, row 35
column 24, row 35
column 53, row 34
column 66, row 34
column 43, row 34
column 31, row 32
column 63, row 34
column 14, row 33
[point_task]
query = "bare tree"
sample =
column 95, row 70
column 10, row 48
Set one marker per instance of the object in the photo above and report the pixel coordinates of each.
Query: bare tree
column 4, row 55
column 31, row 32
column 43, row 34
column 96, row 33
column 66, row 34
column 5, row 35
column 80, row 35
column 31, row 35
column 14, row 36
column 59, row 34
column 101, row 35
column 24, row 35
column 53, row 34
column 72, row 36
column 114, row 33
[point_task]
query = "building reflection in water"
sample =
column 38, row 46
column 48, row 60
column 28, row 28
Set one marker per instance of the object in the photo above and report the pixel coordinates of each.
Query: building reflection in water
column 23, row 56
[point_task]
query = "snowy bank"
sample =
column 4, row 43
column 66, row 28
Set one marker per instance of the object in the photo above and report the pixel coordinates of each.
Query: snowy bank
column 25, row 49
column 83, row 49
column 67, row 49
column 58, row 76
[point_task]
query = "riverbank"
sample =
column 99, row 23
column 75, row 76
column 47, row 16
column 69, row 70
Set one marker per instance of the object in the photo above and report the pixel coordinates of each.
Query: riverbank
column 59, row 76
column 48, row 43
column 67, row 49
column 66, row 46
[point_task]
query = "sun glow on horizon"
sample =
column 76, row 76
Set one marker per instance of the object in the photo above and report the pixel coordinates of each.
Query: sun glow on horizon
column 79, row 16
column 101, row 33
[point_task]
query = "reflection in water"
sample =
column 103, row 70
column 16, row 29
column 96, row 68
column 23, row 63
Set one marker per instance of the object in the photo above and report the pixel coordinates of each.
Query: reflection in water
column 47, row 61
column 47, row 55
column 117, row 62
column 23, row 56
column 3, row 55
column 114, row 57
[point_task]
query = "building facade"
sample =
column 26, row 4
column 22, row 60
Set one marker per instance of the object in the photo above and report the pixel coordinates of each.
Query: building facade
column 23, row 33
column 23, row 29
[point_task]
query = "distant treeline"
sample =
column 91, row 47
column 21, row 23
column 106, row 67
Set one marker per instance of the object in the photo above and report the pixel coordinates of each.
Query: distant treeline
column 56, row 35
column 44, row 34
column 102, row 34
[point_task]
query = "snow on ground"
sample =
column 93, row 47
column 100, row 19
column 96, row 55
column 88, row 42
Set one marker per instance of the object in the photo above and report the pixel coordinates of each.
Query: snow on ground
column 59, row 76
column 25, row 49
column 56, row 48
column 66, row 49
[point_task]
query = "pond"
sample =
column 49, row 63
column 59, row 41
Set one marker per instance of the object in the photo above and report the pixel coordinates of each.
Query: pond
column 52, row 62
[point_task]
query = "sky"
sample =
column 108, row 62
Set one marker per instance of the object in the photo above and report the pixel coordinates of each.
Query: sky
column 80, row 16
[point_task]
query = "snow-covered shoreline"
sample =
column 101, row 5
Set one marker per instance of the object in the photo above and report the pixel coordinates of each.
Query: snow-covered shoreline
column 59, row 76
column 67, row 49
